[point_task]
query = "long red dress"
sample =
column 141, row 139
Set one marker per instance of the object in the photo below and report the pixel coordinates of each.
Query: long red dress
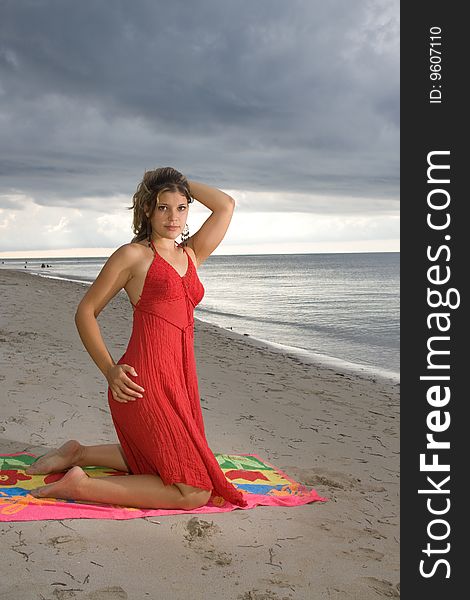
column 163, row 432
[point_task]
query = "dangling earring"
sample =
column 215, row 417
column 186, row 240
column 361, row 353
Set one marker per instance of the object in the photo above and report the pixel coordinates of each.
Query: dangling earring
column 185, row 234
column 149, row 233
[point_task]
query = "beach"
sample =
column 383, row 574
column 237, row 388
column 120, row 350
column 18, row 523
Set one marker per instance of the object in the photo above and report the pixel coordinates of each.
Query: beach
column 337, row 432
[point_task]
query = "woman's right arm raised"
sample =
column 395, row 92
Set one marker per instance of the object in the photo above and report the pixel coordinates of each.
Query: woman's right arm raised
column 112, row 278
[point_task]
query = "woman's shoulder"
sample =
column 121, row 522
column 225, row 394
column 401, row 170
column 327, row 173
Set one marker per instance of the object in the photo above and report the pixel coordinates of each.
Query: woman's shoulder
column 129, row 254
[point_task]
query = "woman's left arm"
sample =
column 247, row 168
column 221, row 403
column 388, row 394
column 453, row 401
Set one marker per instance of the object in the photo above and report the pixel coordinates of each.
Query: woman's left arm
column 213, row 230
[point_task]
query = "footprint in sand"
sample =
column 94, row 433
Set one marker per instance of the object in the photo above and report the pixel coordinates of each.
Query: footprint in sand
column 320, row 477
column 70, row 544
column 114, row 592
column 223, row 559
column 199, row 530
column 198, row 533
column 368, row 553
column 266, row 595
column 383, row 587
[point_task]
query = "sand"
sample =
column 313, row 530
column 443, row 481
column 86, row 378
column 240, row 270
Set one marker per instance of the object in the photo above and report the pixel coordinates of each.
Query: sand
column 337, row 432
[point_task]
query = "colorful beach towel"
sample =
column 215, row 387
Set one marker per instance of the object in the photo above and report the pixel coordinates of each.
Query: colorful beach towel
column 261, row 483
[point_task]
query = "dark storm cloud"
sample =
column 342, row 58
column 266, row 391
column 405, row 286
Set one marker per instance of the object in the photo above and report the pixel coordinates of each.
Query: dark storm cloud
column 261, row 95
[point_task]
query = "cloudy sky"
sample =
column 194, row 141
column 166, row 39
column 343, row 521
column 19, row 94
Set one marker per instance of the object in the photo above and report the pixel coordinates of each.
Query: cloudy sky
column 292, row 107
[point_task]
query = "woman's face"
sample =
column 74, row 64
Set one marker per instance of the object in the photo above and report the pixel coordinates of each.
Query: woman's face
column 170, row 214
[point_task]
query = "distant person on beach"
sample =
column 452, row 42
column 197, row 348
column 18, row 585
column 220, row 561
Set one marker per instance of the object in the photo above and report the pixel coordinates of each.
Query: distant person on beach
column 153, row 388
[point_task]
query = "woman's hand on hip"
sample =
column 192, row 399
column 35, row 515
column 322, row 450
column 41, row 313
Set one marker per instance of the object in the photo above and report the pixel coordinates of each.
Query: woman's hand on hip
column 122, row 387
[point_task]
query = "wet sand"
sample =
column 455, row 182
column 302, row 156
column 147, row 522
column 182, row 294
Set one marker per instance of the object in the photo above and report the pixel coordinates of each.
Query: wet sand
column 335, row 431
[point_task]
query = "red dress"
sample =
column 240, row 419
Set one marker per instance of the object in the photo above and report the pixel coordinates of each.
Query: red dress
column 163, row 432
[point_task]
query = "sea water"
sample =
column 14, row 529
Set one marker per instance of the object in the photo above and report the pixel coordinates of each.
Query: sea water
column 335, row 307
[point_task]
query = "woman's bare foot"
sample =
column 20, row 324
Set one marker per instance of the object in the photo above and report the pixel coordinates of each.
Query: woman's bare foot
column 57, row 460
column 67, row 488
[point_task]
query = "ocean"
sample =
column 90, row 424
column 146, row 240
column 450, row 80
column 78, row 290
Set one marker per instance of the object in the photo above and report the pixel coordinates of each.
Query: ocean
column 339, row 309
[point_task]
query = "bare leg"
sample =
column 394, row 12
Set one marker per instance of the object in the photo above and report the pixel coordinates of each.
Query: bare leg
column 104, row 455
column 139, row 491
column 73, row 453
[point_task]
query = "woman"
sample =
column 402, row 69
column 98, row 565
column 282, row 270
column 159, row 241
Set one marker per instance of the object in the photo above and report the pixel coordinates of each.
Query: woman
column 153, row 390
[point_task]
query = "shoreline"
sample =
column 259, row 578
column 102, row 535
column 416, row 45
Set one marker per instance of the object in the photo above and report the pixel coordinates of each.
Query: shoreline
column 315, row 359
column 336, row 432
column 310, row 357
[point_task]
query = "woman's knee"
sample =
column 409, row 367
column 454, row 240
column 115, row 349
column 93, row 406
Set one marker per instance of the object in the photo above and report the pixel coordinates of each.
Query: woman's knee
column 196, row 500
column 193, row 497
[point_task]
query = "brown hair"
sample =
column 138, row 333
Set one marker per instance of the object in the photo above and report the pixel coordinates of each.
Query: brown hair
column 164, row 179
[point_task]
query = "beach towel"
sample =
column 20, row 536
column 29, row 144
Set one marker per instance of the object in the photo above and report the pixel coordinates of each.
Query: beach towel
column 261, row 484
